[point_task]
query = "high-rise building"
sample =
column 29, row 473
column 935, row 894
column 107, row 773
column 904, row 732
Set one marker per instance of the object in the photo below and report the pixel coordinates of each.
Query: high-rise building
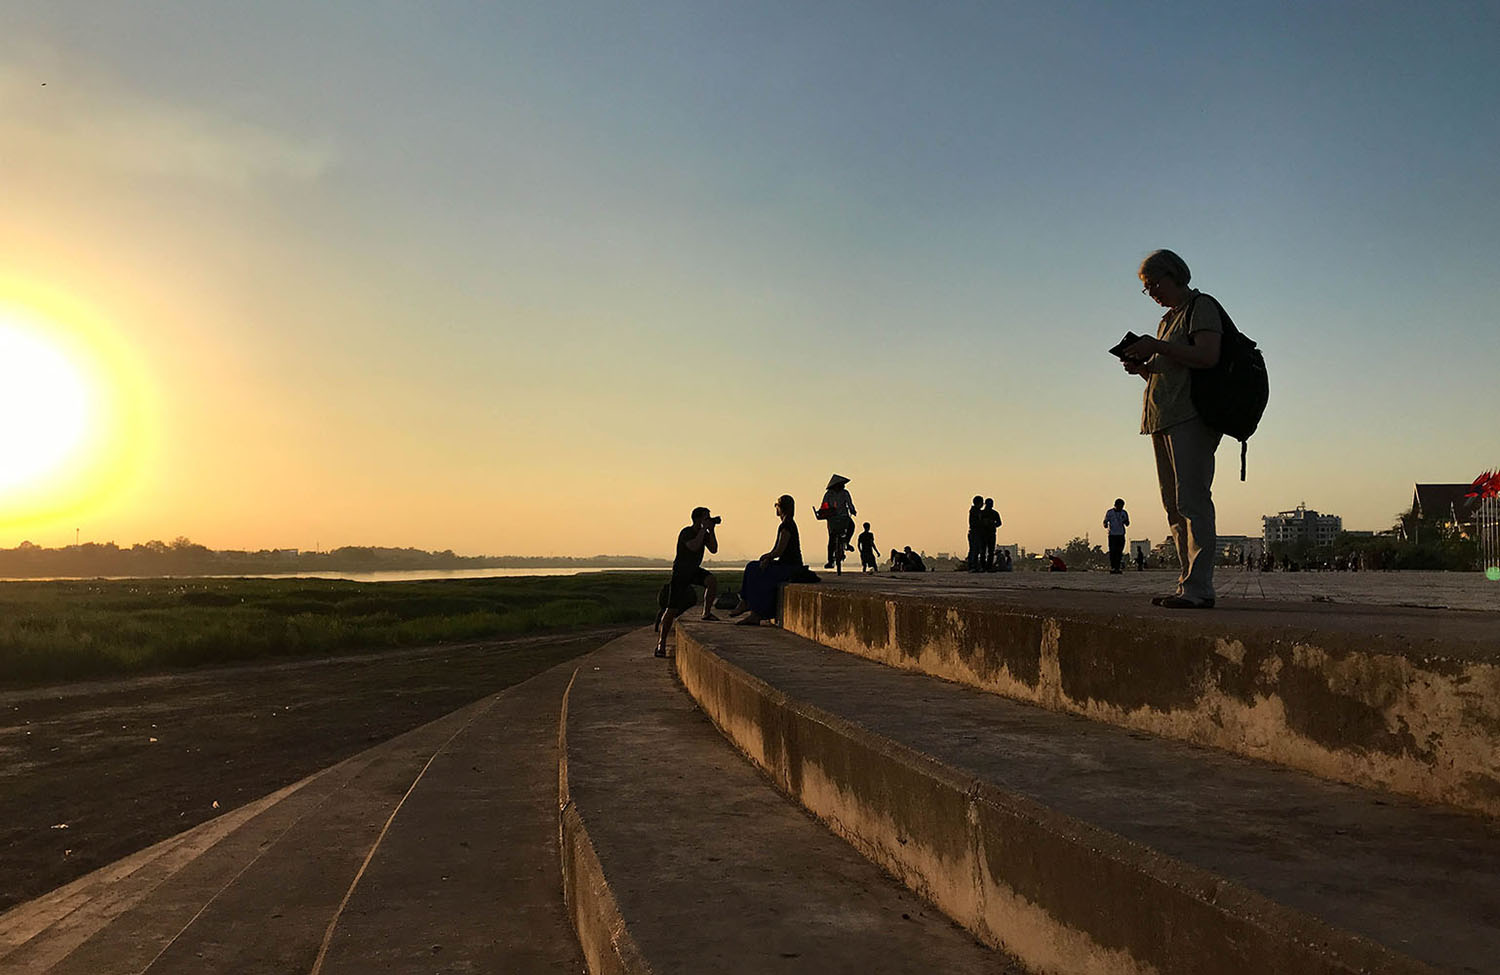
column 1300, row 524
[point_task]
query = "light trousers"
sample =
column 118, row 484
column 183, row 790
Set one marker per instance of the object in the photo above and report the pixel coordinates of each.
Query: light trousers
column 1185, row 470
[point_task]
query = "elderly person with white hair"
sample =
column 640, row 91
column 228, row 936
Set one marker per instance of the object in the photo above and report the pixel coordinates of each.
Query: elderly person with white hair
column 1187, row 338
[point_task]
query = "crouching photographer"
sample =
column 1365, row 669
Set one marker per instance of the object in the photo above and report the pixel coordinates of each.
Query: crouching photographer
column 688, row 572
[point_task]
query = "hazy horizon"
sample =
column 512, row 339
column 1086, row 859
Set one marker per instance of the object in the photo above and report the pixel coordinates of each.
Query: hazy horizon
column 541, row 277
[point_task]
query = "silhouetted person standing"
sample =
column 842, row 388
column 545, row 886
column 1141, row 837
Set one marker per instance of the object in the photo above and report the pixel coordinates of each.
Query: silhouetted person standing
column 976, row 531
column 1116, row 520
column 990, row 527
column 867, row 552
column 1187, row 338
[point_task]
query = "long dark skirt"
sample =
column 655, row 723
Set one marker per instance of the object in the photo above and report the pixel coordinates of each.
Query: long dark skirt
column 761, row 585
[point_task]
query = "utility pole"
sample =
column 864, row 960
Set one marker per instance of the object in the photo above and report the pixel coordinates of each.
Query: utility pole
column 75, row 538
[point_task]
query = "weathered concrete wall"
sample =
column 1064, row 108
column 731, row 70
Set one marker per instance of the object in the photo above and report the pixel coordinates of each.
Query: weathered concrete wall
column 1062, row 896
column 1344, row 706
column 607, row 946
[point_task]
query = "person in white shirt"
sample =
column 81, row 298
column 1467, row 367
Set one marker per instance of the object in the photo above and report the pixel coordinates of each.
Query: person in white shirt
column 1116, row 519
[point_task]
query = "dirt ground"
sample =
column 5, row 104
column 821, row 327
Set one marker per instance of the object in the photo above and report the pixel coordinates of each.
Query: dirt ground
column 93, row 771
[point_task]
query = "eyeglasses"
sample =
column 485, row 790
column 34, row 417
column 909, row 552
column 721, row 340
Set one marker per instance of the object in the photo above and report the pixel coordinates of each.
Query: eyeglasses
column 1148, row 286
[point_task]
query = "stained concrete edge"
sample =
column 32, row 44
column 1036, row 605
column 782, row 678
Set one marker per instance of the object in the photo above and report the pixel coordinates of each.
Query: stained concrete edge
column 1342, row 706
column 1060, row 894
column 607, row 946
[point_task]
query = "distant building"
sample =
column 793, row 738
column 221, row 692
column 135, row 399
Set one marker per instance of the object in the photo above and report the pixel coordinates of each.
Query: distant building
column 1299, row 525
column 1443, row 505
column 1230, row 546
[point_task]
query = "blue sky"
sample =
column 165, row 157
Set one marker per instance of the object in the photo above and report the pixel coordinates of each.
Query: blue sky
column 456, row 272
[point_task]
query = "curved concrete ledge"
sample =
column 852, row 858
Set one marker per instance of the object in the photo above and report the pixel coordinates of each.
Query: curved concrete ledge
column 1057, row 893
column 607, row 946
column 1415, row 716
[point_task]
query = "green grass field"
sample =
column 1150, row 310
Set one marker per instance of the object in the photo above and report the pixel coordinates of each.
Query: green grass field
column 57, row 631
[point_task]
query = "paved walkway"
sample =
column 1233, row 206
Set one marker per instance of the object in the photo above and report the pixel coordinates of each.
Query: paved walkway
column 434, row 852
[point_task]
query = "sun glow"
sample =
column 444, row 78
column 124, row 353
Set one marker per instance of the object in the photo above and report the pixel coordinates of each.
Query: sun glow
column 71, row 411
column 45, row 405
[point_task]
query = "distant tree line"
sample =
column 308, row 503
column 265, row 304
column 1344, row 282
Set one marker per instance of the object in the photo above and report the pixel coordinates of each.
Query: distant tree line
column 184, row 557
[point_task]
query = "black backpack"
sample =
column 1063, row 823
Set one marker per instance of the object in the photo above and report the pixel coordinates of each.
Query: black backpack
column 1232, row 396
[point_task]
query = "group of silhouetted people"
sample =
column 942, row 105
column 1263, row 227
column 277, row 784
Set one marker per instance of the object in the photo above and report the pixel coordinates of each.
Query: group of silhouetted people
column 1188, row 341
column 984, row 527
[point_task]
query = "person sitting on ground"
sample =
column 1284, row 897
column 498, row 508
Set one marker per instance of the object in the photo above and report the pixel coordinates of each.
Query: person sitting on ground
column 1006, row 563
column 898, row 560
column 867, row 550
column 1058, row 565
column 783, row 564
column 687, row 572
column 839, row 508
column 914, row 561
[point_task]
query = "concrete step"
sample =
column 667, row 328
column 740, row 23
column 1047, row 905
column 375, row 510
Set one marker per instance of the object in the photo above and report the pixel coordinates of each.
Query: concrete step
column 679, row 857
column 1399, row 699
column 435, row 851
column 1082, row 846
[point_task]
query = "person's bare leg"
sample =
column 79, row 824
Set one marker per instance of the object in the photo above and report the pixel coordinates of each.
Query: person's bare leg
column 668, row 619
column 710, row 593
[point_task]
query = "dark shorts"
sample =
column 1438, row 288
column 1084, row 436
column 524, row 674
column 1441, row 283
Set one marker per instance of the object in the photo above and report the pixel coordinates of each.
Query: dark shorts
column 679, row 593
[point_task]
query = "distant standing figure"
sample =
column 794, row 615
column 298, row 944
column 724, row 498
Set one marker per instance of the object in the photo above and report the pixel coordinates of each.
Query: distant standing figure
column 976, row 531
column 688, row 571
column 990, row 523
column 1187, row 338
column 840, row 518
column 867, row 550
column 1140, row 560
column 1116, row 519
column 783, row 564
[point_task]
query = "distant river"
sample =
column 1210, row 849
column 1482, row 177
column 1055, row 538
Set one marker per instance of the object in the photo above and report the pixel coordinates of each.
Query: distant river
column 387, row 575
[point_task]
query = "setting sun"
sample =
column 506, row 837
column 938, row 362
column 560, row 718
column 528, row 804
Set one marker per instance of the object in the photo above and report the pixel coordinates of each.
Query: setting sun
column 45, row 405
column 72, row 426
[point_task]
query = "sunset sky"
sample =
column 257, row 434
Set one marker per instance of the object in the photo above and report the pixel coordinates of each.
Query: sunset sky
column 536, row 278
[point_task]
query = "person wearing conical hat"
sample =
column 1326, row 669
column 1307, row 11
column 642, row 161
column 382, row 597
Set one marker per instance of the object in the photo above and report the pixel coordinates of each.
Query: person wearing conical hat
column 840, row 517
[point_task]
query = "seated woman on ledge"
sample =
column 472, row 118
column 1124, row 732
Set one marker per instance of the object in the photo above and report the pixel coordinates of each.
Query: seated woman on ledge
column 783, row 564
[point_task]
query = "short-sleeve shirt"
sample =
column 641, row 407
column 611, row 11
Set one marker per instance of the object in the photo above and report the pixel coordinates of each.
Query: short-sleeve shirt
column 1168, row 399
column 687, row 562
column 1116, row 519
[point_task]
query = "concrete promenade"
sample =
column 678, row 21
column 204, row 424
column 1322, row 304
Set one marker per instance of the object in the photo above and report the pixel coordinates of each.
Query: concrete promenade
column 433, row 852
column 1432, row 590
column 1023, row 752
column 1391, row 697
